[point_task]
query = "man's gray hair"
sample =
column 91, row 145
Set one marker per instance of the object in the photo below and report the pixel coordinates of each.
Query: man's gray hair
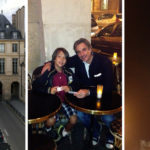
column 82, row 40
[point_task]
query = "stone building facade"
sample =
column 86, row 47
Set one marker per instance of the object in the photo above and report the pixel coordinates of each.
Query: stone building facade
column 18, row 20
column 12, row 61
column 99, row 7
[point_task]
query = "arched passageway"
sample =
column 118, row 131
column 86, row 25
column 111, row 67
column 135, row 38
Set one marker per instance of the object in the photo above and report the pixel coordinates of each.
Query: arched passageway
column 15, row 90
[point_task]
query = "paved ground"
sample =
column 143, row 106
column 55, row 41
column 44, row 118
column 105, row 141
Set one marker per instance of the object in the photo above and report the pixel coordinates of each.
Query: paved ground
column 18, row 107
column 13, row 129
column 78, row 142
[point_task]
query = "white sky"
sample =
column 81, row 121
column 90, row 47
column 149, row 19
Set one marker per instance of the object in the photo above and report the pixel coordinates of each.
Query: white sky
column 9, row 7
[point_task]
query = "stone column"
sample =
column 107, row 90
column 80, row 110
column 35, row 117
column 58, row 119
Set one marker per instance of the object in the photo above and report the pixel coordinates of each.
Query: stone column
column 36, row 54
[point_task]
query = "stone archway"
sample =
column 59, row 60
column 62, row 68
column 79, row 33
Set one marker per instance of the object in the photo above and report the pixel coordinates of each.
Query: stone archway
column 15, row 90
column 1, row 90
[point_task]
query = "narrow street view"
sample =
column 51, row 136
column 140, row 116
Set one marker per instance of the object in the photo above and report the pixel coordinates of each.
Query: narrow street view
column 12, row 75
column 12, row 128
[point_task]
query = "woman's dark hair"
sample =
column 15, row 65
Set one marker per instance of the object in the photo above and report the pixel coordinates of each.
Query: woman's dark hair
column 81, row 40
column 60, row 49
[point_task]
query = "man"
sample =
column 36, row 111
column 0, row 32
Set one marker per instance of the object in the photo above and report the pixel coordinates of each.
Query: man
column 91, row 69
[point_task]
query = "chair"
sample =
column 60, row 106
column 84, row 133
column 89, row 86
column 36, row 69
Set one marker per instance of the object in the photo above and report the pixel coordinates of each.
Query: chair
column 36, row 128
column 116, row 131
column 36, row 73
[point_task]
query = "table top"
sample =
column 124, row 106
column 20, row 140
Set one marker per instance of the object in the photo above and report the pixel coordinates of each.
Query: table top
column 109, row 104
column 42, row 106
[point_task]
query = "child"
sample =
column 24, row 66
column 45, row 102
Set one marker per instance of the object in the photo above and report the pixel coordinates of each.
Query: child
column 58, row 80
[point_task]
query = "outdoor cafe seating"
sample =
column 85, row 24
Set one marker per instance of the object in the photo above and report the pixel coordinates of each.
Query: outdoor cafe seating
column 90, row 105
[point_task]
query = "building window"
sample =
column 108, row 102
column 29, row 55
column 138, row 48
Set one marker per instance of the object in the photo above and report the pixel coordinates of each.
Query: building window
column 104, row 4
column 14, row 47
column 7, row 26
column 15, row 65
column 2, row 35
column 15, row 35
column 2, row 48
column 2, row 65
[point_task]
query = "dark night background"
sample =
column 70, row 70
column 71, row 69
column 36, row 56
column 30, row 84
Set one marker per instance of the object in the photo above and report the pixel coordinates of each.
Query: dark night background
column 137, row 73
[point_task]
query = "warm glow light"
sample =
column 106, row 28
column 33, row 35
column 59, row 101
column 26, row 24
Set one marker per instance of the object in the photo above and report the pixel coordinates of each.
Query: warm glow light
column 115, row 58
column 99, row 91
column 98, row 104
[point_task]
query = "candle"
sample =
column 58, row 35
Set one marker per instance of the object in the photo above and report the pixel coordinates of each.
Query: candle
column 99, row 91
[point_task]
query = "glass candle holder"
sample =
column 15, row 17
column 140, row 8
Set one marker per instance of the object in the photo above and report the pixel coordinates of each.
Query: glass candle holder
column 99, row 91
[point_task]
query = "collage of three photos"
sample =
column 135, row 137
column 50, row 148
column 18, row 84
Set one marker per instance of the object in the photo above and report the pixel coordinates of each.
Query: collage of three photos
column 62, row 76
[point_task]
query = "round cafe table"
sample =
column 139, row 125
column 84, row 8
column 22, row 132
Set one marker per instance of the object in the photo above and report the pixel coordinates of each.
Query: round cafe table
column 109, row 104
column 42, row 106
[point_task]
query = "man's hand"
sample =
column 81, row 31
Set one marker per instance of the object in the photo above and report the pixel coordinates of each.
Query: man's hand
column 53, row 90
column 82, row 93
column 66, row 88
column 47, row 66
